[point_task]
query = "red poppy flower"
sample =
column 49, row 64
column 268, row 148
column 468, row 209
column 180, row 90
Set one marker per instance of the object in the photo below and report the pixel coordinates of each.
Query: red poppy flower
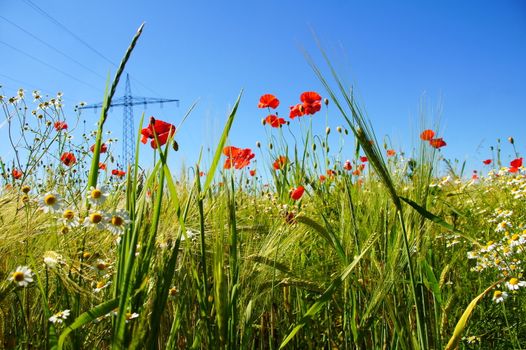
column 437, row 143
column 163, row 130
column 391, row 152
column 487, row 161
column 274, row 121
column 363, row 159
column 237, row 157
column 68, row 158
column 427, row 135
column 357, row 172
column 268, row 101
column 323, row 178
column 17, row 174
column 361, row 167
column 331, row 173
column 118, row 172
column 60, row 126
column 516, row 163
column 474, row 176
column 280, row 162
column 513, row 169
column 347, row 166
column 296, row 111
column 252, row 172
column 297, row 192
column 102, row 166
column 311, row 102
column 201, row 173
column 103, row 148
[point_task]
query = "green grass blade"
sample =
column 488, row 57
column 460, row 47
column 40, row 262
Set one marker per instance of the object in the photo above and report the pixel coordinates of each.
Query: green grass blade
column 87, row 317
column 220, row 145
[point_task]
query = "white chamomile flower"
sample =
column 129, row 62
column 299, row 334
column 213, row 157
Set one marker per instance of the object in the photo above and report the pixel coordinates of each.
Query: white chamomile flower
column 131, row 316
column 515, row 284
column 117, row 221
column 52, row 259
column 69, row 219
column 97, row 196
column 100, row 286
column 59, row 317
column 22, row 276
column 96, row 219
column 51, row 203
column 499, row 296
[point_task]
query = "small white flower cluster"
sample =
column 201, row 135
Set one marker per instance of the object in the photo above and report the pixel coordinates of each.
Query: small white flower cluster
column 59, row 317
column 115, row 222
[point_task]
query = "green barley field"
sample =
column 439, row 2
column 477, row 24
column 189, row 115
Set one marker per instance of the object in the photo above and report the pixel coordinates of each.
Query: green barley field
column 388, row 250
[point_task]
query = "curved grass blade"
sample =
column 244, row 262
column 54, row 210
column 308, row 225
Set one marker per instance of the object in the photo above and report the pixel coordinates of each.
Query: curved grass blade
column 220, row 145
column 462, row 322
column 326, row 296
column 87, row 317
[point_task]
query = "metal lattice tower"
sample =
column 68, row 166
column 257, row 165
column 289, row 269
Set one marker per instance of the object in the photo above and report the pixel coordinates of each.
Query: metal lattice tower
column 128, row 128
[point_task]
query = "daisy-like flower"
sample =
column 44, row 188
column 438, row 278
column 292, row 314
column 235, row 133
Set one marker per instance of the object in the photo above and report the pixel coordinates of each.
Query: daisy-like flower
column 499, row 296
column 22, row 276
column 97, row 196
column 96, row 219
column 59, row 317
column 51, row 203
column 131, row 316
column 515, row 284
column 52, row 259
column 69, row 219
column 100, row 286
column 118, row 221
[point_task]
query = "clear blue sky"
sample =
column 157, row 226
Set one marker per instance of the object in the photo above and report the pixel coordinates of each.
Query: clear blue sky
column 468, row 57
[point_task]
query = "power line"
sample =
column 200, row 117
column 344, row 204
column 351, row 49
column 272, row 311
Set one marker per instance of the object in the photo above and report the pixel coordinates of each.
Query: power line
column 49, row 65
column 66, row 29
column 34, row 87
column 53, row 48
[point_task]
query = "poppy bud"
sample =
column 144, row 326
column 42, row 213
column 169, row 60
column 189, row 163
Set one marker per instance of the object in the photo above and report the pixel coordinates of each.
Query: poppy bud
column 339, row 129
column 314, row 147
column 258, row 144
column 270, row 146
column 327, row 149
column 511, row 140
column 175, row 145
column 346, row 132
column 263, row 122
column 326, row 101
column 315, row 165
column 327, row 130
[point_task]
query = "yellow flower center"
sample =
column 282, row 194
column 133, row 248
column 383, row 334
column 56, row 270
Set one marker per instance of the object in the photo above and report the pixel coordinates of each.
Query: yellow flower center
column 50, row 199
column 497, row 294
column 86, row 255
column 18, row 276
column 96, row 194
column 64, row 230
column 100, row 284
column 95, row 218
column 515, row 237
column 173, row 291
column 26, row 189
column 117, row 221
column 25, row 198
column 68, row 214
column 514, row 281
